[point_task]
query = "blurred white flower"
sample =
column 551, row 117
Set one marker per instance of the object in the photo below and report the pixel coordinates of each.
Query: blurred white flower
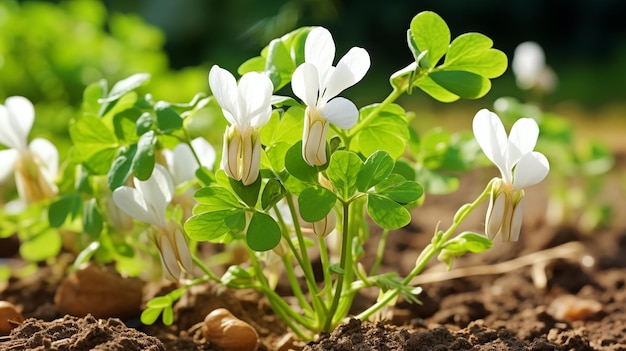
column 317, row 82
column 519, row 166
column 247, row 107
column 147, row 202
column 530, row 69
column 35, row 165
column 183, row 166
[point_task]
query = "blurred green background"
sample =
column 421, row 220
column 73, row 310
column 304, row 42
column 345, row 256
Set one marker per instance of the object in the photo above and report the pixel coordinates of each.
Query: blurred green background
column 50, row 50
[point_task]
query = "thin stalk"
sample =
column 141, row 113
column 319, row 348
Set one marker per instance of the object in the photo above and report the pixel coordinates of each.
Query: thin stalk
column 344, row 264
column 325, row 262
column 295, row 285
column 393, row 96
column 380, row 251
column 428, row 253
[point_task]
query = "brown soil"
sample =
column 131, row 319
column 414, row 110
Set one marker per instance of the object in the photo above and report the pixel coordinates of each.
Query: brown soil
column 569, row 298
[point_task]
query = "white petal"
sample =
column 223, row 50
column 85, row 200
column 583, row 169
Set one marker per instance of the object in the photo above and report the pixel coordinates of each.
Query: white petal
column 183, row 165
column 224, row 88
column 491, row 136
column 16, row 119
column 7, row 163
column 528, row 62
column 182, row 251
column 341, row 112
column 305, row 84
column 256, row 90
column 319, row 49
column 530, row 170
column 350, row 69
column 495, row 214
column 157, row 192
column 205, row 151
column 131, row 201
column 169, row 263
column 48, row 154
column 524, row 134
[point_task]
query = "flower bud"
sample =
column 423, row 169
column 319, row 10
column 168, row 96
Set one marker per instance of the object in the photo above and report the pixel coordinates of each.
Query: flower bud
column 241, row 156
column 33, row 184
column 314, row 137
column 505, row 212
column 326, row 225
column 176, row 259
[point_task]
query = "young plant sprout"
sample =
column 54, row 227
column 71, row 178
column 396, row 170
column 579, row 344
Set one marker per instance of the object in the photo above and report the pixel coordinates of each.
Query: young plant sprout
column 35, row 164
column 519, row 166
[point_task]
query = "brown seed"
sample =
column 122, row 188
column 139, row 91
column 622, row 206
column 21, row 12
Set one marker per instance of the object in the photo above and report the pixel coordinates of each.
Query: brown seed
column 100, row 292
column 228, row 332
column 573, row 308
column 9, row 317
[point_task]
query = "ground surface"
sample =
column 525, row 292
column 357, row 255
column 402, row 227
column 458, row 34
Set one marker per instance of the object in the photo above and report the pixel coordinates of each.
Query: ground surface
column 556, row 289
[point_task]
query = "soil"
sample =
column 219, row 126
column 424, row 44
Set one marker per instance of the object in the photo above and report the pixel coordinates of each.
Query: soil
column 558, row 288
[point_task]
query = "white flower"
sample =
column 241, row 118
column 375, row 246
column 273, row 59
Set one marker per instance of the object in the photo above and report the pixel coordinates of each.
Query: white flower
column 35, row 164
column 317, row 82
column 183, row 166
column 530, row 69
column 147, row 202
column 247, row 107
column 519, row 166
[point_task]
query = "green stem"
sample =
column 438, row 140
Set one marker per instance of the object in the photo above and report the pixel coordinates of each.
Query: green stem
column 379, row 253
column 325, row 263
column 205, row 269
column 344, row 263
column 393, row 96
column 428, row 253
column 295, row 285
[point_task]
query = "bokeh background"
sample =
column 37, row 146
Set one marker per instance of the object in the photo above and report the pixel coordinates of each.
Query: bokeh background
column 50, row 50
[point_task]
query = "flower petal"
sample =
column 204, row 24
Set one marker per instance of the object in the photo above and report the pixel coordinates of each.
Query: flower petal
column 516, row 221
column 522, row 139
column 48, row 154
column 157, row 192
column 16, row 119
column 351, row 69
column 224, row 88
column 256, row 90
column 205, row 151
column 491, row 136
column 132, row 202
column 7, row 163
column 319, row 50
column 305, row 84
column 530, row 170
column 341, row 112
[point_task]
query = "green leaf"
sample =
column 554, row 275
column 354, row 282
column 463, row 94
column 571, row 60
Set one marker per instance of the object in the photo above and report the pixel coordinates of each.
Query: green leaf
column 125, row 125
column 89, row 136
column 430, row 33
column 342, row 172
column 400, row 190
column 167, row 119
column 247, row 193
column 144, row 159
column 387, row 131
column 91, row 95
column 263, row 232
column 208, row 226
column 272, row 193
column 92, row 218
column 462, row 83
column 150, row 315
column 168, row 315
column 215, row 198
column 315, row 203
column 279, row 64
column 144, row 123
column 473, row 52
column 387, row 213
column 436, row 91
column 236, row 222
column 41, row 246
column 124, row 86
column 60, row 209
column 297, row 166
column 100, row 162
column 375, row 168
column 436, row 183
column 85, row 255
column 286, row 128
column 121, row 167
